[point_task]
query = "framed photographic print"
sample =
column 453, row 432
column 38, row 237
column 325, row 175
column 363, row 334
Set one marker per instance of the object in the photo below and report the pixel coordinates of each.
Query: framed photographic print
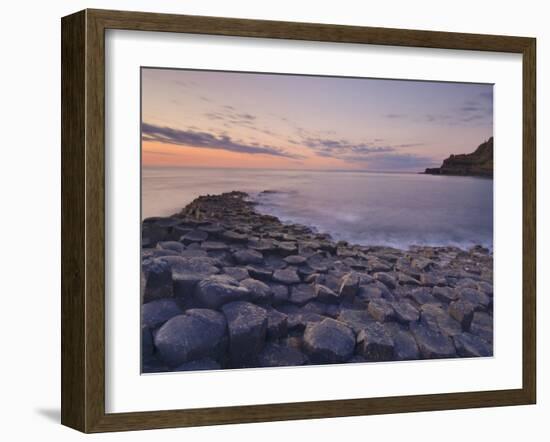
column 270, row 220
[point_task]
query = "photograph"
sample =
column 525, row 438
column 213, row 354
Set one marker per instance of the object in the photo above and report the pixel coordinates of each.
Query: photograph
column 300, row 220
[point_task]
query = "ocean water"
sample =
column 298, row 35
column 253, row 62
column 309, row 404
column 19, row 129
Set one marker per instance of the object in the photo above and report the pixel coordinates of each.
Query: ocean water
column 369, row 208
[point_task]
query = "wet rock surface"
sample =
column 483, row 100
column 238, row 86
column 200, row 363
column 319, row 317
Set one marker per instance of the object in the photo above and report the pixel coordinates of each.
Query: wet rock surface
column 224, row 286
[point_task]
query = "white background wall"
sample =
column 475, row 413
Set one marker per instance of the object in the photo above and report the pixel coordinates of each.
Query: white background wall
column 30, row 218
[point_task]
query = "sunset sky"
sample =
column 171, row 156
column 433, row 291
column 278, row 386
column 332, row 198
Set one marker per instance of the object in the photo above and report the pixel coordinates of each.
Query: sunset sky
column 241, row 120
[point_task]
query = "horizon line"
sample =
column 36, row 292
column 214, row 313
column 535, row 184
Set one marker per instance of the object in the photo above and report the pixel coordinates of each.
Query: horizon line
column 162, row 166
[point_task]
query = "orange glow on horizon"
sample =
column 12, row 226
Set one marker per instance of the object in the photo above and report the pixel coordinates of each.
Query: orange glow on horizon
column 156, row 154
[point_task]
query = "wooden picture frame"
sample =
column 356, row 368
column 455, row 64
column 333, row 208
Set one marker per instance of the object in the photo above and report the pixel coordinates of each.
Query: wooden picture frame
column 83, row 220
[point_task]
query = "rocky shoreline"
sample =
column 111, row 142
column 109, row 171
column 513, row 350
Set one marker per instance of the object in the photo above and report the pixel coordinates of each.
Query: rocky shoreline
column 224, row 286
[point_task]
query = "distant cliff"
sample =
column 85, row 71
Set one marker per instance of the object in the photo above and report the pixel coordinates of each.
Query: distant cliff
column 478, row 163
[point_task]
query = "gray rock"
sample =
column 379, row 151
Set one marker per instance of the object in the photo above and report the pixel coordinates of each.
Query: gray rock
column 431, row 344
column 422, row 264
column 405, row 279
column 367, row 293
column 331, row 281
column 238, row 273
column 247, row 324
column 349, row 284
column 374, row 343
column 476, row 297
column 311, row 269
column 482, row 326
column 263, row 245
column 343, row 251
column 375, row 265
column 157, row 279
column 328, row 341
column 194, row 236
column 468, row 345
column 187, row 272
column 285, row 248
column 332, row 310
column 468, row 283
column 430, row 314
column 286, row 276
column 364, row 278
column 485, row 288
column 463, row 312
column 437, row 319
column 429, row 280
column 276, row 355
column 230, row 235
column 298, row 321
column 152, row 364
column 248, row 256
column 422, row 295
column 215, row 246
column 177, row 232
column 199, row 365
column 260, row 292
column 196, row 264
column 217, row 290
column 295, row 260
column 287, row 307
column 315, row 307
column 212, row 229
column 259, row 272
column 325, row 294
column 305, row 271
column 405, row 347
column 357, row 320
column 280, row 293
column 276, row 324
column 175, row 246
column 301, row 294
column 147, row 347
column 405, row 311
column 156, row 313
column 194, row 253
column 273, row 262
column 386, row 279
column 444, row 294
column 380, row 309
column 157, row 253
column 197, row 334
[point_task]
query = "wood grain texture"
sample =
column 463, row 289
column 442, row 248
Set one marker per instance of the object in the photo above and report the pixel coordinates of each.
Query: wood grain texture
column 529, row 221
column 73, row 253
column 83, row 220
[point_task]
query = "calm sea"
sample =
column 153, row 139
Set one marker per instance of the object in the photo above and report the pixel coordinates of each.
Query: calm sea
column 396, row 209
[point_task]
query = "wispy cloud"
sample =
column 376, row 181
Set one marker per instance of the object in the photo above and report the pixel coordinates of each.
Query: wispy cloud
column 477, row 110
column 343, row 146
column 395, row 161
column 376, row 154
column 231, row 117
column 191, row 138
column 184, row 83
column 373, row 154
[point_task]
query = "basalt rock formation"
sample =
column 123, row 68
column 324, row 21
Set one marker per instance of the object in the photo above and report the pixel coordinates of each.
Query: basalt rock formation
column 224, row 286
column 477, row 163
